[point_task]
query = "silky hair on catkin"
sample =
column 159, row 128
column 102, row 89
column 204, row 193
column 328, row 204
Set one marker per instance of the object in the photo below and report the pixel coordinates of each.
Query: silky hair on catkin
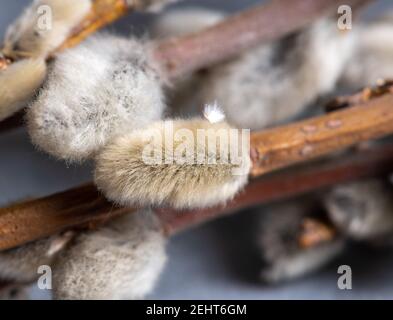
column 122, row 260
column 194, row 167
column 18, row 83
column 106, row 87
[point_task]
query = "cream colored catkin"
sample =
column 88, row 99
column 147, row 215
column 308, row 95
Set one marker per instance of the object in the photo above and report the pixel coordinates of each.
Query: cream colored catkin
column 168, row 163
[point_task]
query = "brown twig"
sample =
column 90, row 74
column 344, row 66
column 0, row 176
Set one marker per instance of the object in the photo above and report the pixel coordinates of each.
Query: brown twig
column 80, row 206
column 304, row 140
column 261, row 24
column 39, row 218
column 314, row 232
column 295, row 182
column 272, row 149
column 365, row 95
column 103, row 13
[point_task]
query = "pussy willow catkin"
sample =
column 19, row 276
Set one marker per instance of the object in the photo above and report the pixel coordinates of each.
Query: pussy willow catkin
column 105, row 87
column 42, row 27
column 277, row 238
column 122, row 260
column 17, row 84
column 178, row 163
column 273, row 83
column 362, row 210
column 372, row 58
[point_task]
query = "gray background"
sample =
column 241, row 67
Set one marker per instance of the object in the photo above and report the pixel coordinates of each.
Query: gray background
column 214, row 261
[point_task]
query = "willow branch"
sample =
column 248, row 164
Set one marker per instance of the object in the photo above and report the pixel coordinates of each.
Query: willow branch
column 84, row 207
column 271, row 149
column 314, row 232
column 304, row 140
column 103, row 13
column 287, row 184
column 184, row 55
column 365, row 95
column 261, row 24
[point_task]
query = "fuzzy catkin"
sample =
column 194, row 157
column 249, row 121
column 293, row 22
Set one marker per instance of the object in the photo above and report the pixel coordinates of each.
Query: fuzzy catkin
column 21, row 264
column 273, row 83
column 174, row 177
column 183, row 95
column 277, row 239
column 18, row 83
column 362, row 210
column 43, row 26
column 103, row 88
column 119, row 261
column 372, row 59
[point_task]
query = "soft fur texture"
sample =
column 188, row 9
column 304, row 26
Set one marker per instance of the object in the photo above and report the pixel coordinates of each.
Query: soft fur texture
column 21, row 264
column 273, row 83
column 279, row 247
column 94, row 92
column 24, row 38
column 184, row 94
column 372, row 60
column 362, row 210
column 18, row 83
column 120, row 261
column 124, row 175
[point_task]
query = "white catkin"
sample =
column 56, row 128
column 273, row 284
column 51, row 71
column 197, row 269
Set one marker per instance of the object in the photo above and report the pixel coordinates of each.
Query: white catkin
column 362, row 210
column 372, row 59
column 184, row 94
column 144, row 168
column 43, row 26
column 122, row 260
column 18, row 83
column 277, row 240
column 95, row 92
column 274, row 83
